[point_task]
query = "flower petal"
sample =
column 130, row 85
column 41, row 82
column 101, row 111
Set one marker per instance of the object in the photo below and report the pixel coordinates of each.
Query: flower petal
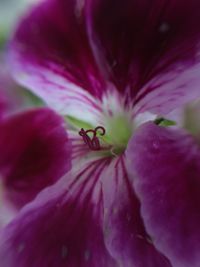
column 167, row 168
column 50, row 54
column 35, row 152
column 148, row 49
column 62, row 227
column 125, row 235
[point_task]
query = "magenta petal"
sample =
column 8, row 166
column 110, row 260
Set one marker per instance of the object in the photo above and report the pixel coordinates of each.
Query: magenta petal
column 145, row 46
column 62, row 227
column 125, row 235
column 52, row 38
column 167, row 168
column 35, row 152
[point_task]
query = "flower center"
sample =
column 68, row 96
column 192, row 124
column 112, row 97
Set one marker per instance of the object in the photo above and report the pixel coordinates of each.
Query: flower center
column 112, row 139
column 118, row 132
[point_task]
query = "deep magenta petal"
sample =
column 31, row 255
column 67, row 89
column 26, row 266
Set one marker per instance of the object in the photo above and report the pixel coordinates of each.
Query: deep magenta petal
column 148, row 47
column 166, row 171
column 125, row 235
column 62, row 227
column 35, row 152
column 53, row 37
column 148, row 50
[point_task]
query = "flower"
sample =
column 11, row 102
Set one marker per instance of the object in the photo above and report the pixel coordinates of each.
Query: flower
column 33, row 145
column 115, row 70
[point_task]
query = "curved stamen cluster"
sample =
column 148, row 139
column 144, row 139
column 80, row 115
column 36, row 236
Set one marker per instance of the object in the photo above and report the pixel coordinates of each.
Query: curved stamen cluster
column 92, row 142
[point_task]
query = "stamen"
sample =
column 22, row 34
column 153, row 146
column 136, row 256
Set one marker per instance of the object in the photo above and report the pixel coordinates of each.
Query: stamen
column 92, row 142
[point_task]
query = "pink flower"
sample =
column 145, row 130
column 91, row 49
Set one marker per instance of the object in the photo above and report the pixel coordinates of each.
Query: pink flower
column 131, row 196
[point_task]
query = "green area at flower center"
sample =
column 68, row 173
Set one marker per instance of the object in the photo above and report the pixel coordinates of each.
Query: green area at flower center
column 118, row 130
column 112, row 136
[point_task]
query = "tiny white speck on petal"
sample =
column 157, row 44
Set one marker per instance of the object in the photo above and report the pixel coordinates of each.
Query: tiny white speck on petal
column 87, row 255
column 64, row 252
column 164, row 27
column 114, row 210
column 106, row 232
column 156, row 145
column 128, row 217
column 21, row 247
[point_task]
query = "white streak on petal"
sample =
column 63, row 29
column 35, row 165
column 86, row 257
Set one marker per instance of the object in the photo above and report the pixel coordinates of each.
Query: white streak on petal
column 59, row 93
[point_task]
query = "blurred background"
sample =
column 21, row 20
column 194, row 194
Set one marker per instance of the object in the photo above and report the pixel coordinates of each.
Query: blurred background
column 10, row 11
column 13, row 98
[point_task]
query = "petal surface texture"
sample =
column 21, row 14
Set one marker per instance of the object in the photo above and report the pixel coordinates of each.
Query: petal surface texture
column 71, row 52
column 77, row 223
column 167, row 168
column 52, row 42
column 61, row 228
column 125, row 235
column 35, row 152
column 148, row 49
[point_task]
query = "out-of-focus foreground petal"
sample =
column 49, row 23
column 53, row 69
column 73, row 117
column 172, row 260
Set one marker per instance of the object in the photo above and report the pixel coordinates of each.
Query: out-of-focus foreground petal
column 167, row 166
column 77, row 223
column 35, row 152
column 62, row 227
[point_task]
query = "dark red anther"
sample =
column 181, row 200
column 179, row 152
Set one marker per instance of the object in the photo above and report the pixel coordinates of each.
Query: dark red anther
column 92, row 142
